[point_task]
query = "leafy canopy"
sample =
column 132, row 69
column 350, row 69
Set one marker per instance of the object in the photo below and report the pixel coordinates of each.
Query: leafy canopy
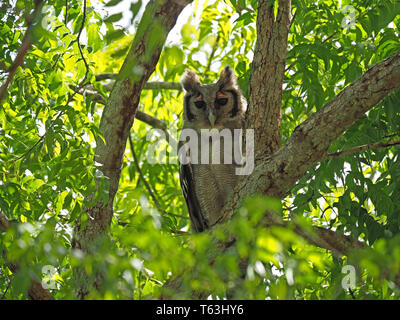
column 47, row 141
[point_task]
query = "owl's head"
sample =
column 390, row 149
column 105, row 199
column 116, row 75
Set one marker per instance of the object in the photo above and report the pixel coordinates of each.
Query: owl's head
column 217, row 105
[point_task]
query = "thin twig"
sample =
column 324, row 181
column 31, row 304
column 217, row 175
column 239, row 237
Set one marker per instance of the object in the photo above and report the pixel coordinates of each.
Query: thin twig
column 66, row 13
column 106, row 76
column 70, row 96
column 361, row 148
column 41, row 139
column 140, row 115
column 79, row 46
column 29, row 150
column 180, row 232
column 146, row 184
column 292, row 20
column 162, row 85
column 151, row 85
column 5, row 291
column 214, row 49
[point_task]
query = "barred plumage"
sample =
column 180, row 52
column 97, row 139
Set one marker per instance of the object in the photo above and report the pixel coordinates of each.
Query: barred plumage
column 206, row 186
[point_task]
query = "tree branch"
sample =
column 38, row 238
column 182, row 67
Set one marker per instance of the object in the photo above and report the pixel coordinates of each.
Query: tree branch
column 360, row 148
column 333, row 241
column 140, row 115
column 162, row 86
column 146, row 184
column 79, row 46
column 212, row 54
column 118, row 115
column 157, row 124
column 106, row 76
column 4, row 223
column 23, row 50
column 264, row 110
column 152, row 85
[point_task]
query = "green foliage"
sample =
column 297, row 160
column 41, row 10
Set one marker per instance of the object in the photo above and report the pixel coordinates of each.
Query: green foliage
column 47, row 141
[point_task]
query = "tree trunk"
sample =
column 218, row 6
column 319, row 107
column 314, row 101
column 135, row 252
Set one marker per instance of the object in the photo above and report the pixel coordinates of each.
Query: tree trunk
column 268, row 71
column 276, row 168
column 119, row 112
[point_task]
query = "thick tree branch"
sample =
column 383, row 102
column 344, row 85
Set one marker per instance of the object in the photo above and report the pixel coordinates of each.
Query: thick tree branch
column 156, row 85
column 157, row 124
column 151, row 85
column 264, row 110
column 117, row 119
column 106, row 76
column 4, row 223
column 333, row 241
column 275, row 175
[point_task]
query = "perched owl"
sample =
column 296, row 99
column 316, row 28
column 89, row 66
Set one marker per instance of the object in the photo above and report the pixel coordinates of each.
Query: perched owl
column 206, row 184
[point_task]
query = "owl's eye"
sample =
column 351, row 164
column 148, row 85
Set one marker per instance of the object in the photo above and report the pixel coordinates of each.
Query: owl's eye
column 222, row 101
column 200, row 104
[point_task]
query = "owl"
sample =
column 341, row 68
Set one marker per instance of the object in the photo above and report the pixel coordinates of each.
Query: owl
column 207, row 184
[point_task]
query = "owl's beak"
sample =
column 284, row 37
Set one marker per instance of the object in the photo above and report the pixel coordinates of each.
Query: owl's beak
column 212, row 117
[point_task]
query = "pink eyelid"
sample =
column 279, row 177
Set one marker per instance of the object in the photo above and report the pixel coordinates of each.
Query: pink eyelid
column 221, row 95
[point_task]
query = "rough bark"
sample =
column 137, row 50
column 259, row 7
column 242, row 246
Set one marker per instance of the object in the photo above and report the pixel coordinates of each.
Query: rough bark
column 268, row 70
column 117, row 119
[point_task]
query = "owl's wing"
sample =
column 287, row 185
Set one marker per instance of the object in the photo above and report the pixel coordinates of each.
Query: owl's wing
column 186, row 179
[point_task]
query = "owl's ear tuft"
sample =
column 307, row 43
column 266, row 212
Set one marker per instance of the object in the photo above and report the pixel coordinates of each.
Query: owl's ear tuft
column 227, row 78
column 190, row 81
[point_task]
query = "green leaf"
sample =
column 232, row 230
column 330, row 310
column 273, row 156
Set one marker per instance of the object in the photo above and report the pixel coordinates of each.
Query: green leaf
column 94, row 40
column 113, row 18
column 112, row 3
column 34, row 185
column 114, row 35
